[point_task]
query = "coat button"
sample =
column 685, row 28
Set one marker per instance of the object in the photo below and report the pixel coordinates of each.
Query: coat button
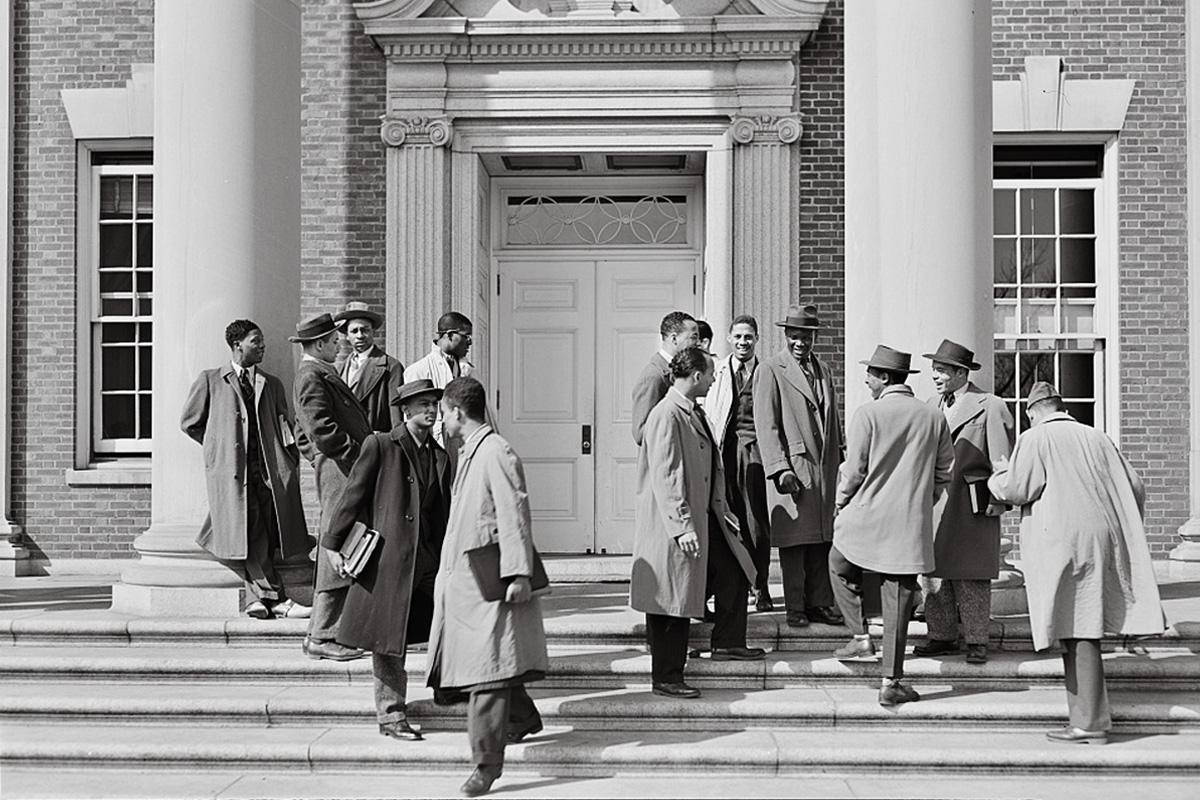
column 410, row 480
column 408, row 517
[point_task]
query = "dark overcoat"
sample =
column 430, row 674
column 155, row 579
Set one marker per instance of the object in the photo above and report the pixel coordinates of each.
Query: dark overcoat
column 651, row 387
column 215, row 415
column 331, row 426
column 798, row 434
column 379, row 382
column 386, row 491
column 966, row 545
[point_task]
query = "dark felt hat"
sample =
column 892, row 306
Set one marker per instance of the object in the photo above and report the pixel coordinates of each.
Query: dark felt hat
column 954, row 354
column 1042, row 390
column 355, row 310
column 801, row 317
column 886, row 358
column 415, row 389
column 313, row 328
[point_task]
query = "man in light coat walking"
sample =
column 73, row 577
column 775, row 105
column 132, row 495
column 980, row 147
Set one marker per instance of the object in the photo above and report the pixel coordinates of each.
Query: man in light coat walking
column 486, row 649
column 898, row 461
column 966, row 540
column 1083, row 549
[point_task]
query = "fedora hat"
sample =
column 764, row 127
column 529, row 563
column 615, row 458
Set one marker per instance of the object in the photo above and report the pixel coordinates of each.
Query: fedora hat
column 312, row 328
column 355, row 310
column 886, row 358
column 801, row 317
column 415, row 389
column 1042, row 390
column 954, row 354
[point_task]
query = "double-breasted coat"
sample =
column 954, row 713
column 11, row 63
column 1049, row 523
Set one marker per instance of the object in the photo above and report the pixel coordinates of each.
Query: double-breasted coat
column 966, row 545
column 215, row 415
column 651, row 386
column 797, row 433
column 331, row 426
column 474, row 641
column 681, row 487
column 378, row 382
column 898, row 454
column 1083, row 544
column 387, row 491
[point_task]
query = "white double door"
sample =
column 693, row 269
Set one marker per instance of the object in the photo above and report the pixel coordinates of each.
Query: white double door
column 574, row 332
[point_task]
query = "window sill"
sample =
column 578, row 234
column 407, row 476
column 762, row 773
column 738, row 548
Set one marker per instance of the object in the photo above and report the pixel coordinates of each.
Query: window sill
column 127, row 472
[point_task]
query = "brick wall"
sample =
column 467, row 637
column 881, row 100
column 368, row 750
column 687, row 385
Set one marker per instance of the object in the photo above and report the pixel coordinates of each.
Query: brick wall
column 60, row 45
column 1121, row 39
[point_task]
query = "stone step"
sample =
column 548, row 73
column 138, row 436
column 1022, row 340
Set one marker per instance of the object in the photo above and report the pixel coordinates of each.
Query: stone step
column 584, row 668
column 846, row 706
column 562, row 751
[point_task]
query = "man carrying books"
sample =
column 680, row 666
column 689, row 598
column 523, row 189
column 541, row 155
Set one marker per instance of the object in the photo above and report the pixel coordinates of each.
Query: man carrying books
column 487, row 649
column 399, row 487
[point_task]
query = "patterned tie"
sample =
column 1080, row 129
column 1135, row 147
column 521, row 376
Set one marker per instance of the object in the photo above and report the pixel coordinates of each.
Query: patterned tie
column 949, row 398
column 357, row 362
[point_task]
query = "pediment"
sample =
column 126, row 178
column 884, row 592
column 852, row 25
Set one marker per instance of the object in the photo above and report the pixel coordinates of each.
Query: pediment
column 631, row 10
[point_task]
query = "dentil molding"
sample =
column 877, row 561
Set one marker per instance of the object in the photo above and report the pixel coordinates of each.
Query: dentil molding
column 787, row 128
column 396, row 131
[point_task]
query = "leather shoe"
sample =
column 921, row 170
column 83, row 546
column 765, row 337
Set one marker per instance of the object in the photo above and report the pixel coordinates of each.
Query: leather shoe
column 681, row 690
column 257, row 610
column 290, row 609
column 401, row 729
column 856, row 650
column 331, row 651
column 825, row 616
column 895, row 693
column 1072, row 735
column 977, row 654
column 738, row 654
column 936, row 647
column 532, row 729
column 795, row 619
column 764, row 602
column 481, row 780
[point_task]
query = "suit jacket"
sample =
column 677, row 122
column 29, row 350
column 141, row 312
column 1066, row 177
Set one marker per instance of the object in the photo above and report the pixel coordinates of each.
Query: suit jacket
column 681, row 487
column 966, row 546
column 387, row 491
column 727, row 408
column 798, row 434
column 377, row 384
column 215, row 415
column 651, row 386
column 898, row 456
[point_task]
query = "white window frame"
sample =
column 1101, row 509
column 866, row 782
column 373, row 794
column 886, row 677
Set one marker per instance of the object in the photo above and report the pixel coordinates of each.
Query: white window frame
column 91, row 451
column 1107, row 253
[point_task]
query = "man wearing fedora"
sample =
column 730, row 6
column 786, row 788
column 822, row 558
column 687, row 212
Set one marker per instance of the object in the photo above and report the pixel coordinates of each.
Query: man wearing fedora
column 898, row 461
column 331, row 428
column 446, row 361
column 372, row 374
column 239, row 414
column 799, row 436
column 676, row 331
column 966, row 541
column 1083, row 548
column 400, row 486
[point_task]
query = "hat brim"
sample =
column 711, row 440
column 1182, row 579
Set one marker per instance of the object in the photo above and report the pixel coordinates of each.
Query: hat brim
column 935, row 358
column 303, row 339
column 885, row 367
column 343, row 317
column 402, row 399
column 816, row 327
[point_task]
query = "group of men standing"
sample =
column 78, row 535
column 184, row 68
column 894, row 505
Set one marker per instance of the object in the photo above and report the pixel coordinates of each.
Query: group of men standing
column 376, row 435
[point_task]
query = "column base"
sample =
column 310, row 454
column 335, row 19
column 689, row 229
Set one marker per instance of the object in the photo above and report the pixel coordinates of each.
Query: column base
column 15, row 561
column 1183, row 562
column 174, row 577
column 176, row 601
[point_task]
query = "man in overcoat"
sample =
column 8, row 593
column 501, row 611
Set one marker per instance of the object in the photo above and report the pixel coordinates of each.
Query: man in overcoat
column 966, row 540
column 676, row 331
column 400, row 486
column 730, row 410
column 799, row 436
column 683, row 548
column 372, row 374
column 1083, row 548
column 445, row 362
column 239, row 414
column 898, row 461
column 486, row 649
column 331, row 427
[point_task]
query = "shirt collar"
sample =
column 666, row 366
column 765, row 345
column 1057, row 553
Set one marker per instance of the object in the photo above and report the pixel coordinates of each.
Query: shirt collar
column 665, row 355
column 961, row 391
column 238, row 369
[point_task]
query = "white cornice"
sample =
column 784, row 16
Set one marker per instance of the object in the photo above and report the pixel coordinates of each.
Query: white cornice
column 373, row 11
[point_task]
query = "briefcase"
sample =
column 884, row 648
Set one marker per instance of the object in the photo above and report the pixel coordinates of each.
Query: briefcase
column 357, row 549
column 485, row 565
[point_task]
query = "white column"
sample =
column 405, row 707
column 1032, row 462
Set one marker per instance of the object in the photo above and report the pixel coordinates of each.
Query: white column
column 14, row 559
column 718, row 244
column 226, row 245
column 918, row 182
column 1184, row 561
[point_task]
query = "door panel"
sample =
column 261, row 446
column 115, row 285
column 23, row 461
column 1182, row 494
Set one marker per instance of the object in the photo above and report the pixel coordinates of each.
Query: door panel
column 547, row 329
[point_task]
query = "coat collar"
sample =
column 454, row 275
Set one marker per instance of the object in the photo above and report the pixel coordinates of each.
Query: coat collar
column 372, row 371
column 796, row 377
column 967, row 407
column 690, row 410
column 467, row 452
column 899, row 390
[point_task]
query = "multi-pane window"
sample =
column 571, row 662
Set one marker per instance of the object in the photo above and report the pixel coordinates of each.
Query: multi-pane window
column 1050, row 278
column 121, row 306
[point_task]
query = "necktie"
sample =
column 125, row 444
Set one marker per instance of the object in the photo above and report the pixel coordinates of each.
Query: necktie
column 949, row 400
column 739, row 377
column 247, row 389
column 356, row 366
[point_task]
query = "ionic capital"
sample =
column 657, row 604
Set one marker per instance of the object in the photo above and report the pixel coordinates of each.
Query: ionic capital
column 788, row 128
column 398, row 131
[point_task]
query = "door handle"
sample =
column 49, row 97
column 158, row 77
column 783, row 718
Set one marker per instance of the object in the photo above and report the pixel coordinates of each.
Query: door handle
column 585, row 440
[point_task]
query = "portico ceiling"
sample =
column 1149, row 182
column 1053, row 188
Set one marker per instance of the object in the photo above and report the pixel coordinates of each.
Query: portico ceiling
column 629, row 10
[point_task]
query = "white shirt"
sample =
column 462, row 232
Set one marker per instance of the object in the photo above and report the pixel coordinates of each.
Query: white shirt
column 958, row 393
column 238, row 369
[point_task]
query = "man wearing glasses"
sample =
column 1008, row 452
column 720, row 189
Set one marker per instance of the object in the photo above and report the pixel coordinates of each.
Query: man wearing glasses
column 445, row 362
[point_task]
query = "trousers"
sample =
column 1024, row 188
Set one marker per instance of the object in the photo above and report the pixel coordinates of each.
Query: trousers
column 728, row 584
column 490, row 715
column 262, row 543
column 947, row 601
column 668, row 641
column 896, row 592
column 1087, row 691
column 806, row 582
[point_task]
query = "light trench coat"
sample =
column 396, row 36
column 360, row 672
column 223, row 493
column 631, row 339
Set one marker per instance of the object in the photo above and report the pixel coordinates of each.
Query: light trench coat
column 1083, row 546
column 472, row 640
